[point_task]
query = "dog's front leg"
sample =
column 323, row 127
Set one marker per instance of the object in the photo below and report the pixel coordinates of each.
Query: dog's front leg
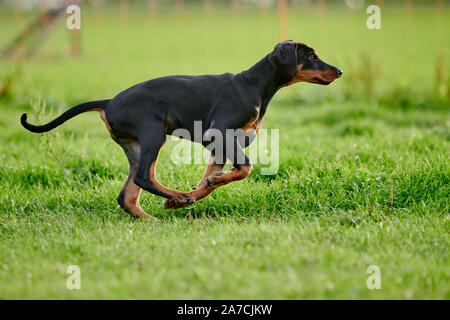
column 214, row 177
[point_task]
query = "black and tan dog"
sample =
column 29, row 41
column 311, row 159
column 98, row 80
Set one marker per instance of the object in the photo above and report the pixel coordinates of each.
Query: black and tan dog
column 140, row 117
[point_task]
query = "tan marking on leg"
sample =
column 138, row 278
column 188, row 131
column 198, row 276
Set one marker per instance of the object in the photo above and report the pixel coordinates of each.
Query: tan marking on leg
column 132, row 194
column 230, row 176
column 172, row 192
column 217, row 181
column 200, row 191
column 210, row 169
column 103, row 116
column 177, row 198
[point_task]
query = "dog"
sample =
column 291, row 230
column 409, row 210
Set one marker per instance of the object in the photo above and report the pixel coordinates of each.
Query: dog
column 139, row 118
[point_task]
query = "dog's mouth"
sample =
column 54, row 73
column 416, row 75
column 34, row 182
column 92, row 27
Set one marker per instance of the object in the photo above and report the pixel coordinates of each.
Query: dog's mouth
column 322, row 81
column 316, row 76
column 327, row 77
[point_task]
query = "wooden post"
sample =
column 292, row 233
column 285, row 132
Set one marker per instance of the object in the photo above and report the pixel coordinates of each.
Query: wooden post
column 208, row 5
column 75, row 42
column 28, row 41
column 17, row 12
column 179, row 5
column 75, row 35
column 409, row 5
column 322, row 4
column 152, row 8
column 235, row 5
column 151, row 5
column 124, row 5
column 282, row 19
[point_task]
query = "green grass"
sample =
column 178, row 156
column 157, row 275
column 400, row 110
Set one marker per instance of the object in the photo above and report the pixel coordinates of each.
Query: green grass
column 362, row 180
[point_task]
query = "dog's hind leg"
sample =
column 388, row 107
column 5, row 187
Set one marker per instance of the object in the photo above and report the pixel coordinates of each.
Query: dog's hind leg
column 146, row 171
column 128, row 198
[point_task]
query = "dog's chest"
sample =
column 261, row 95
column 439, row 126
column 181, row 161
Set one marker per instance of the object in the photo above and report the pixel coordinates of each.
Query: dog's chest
column 253, row 119
column 249, row 131
column 253, row 124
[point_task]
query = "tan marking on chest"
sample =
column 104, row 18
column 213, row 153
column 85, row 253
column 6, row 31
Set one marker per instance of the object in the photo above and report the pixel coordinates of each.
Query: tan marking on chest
column 249, row 125
column 254, row 124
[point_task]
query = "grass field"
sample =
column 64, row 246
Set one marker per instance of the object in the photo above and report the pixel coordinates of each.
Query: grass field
column 363, row 177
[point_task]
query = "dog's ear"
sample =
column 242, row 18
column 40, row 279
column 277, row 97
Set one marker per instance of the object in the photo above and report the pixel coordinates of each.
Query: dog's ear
column 284, row 58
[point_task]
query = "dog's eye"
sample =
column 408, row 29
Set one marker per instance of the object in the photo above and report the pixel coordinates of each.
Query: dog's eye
column 312, row 57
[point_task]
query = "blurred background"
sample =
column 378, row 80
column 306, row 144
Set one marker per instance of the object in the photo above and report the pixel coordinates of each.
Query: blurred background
column 122, row 42
column 363, row 176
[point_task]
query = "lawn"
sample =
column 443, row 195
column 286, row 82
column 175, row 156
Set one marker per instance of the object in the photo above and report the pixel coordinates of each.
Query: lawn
column 363, row 173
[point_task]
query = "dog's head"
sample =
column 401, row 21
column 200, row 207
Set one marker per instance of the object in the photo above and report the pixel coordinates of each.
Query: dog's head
column 299, row 62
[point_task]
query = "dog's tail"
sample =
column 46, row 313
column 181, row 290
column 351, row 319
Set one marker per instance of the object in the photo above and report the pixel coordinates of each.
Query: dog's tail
column 72, row 112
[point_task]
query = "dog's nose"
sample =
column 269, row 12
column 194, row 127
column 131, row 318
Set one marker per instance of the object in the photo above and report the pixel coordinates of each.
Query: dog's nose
column 338, row 72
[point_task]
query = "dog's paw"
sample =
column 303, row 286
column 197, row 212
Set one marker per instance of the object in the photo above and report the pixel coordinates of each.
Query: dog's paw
column 179, row 201
column 212, row 179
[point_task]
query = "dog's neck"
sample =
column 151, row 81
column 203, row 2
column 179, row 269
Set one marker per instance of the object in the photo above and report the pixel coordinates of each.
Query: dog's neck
column 265, row 78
